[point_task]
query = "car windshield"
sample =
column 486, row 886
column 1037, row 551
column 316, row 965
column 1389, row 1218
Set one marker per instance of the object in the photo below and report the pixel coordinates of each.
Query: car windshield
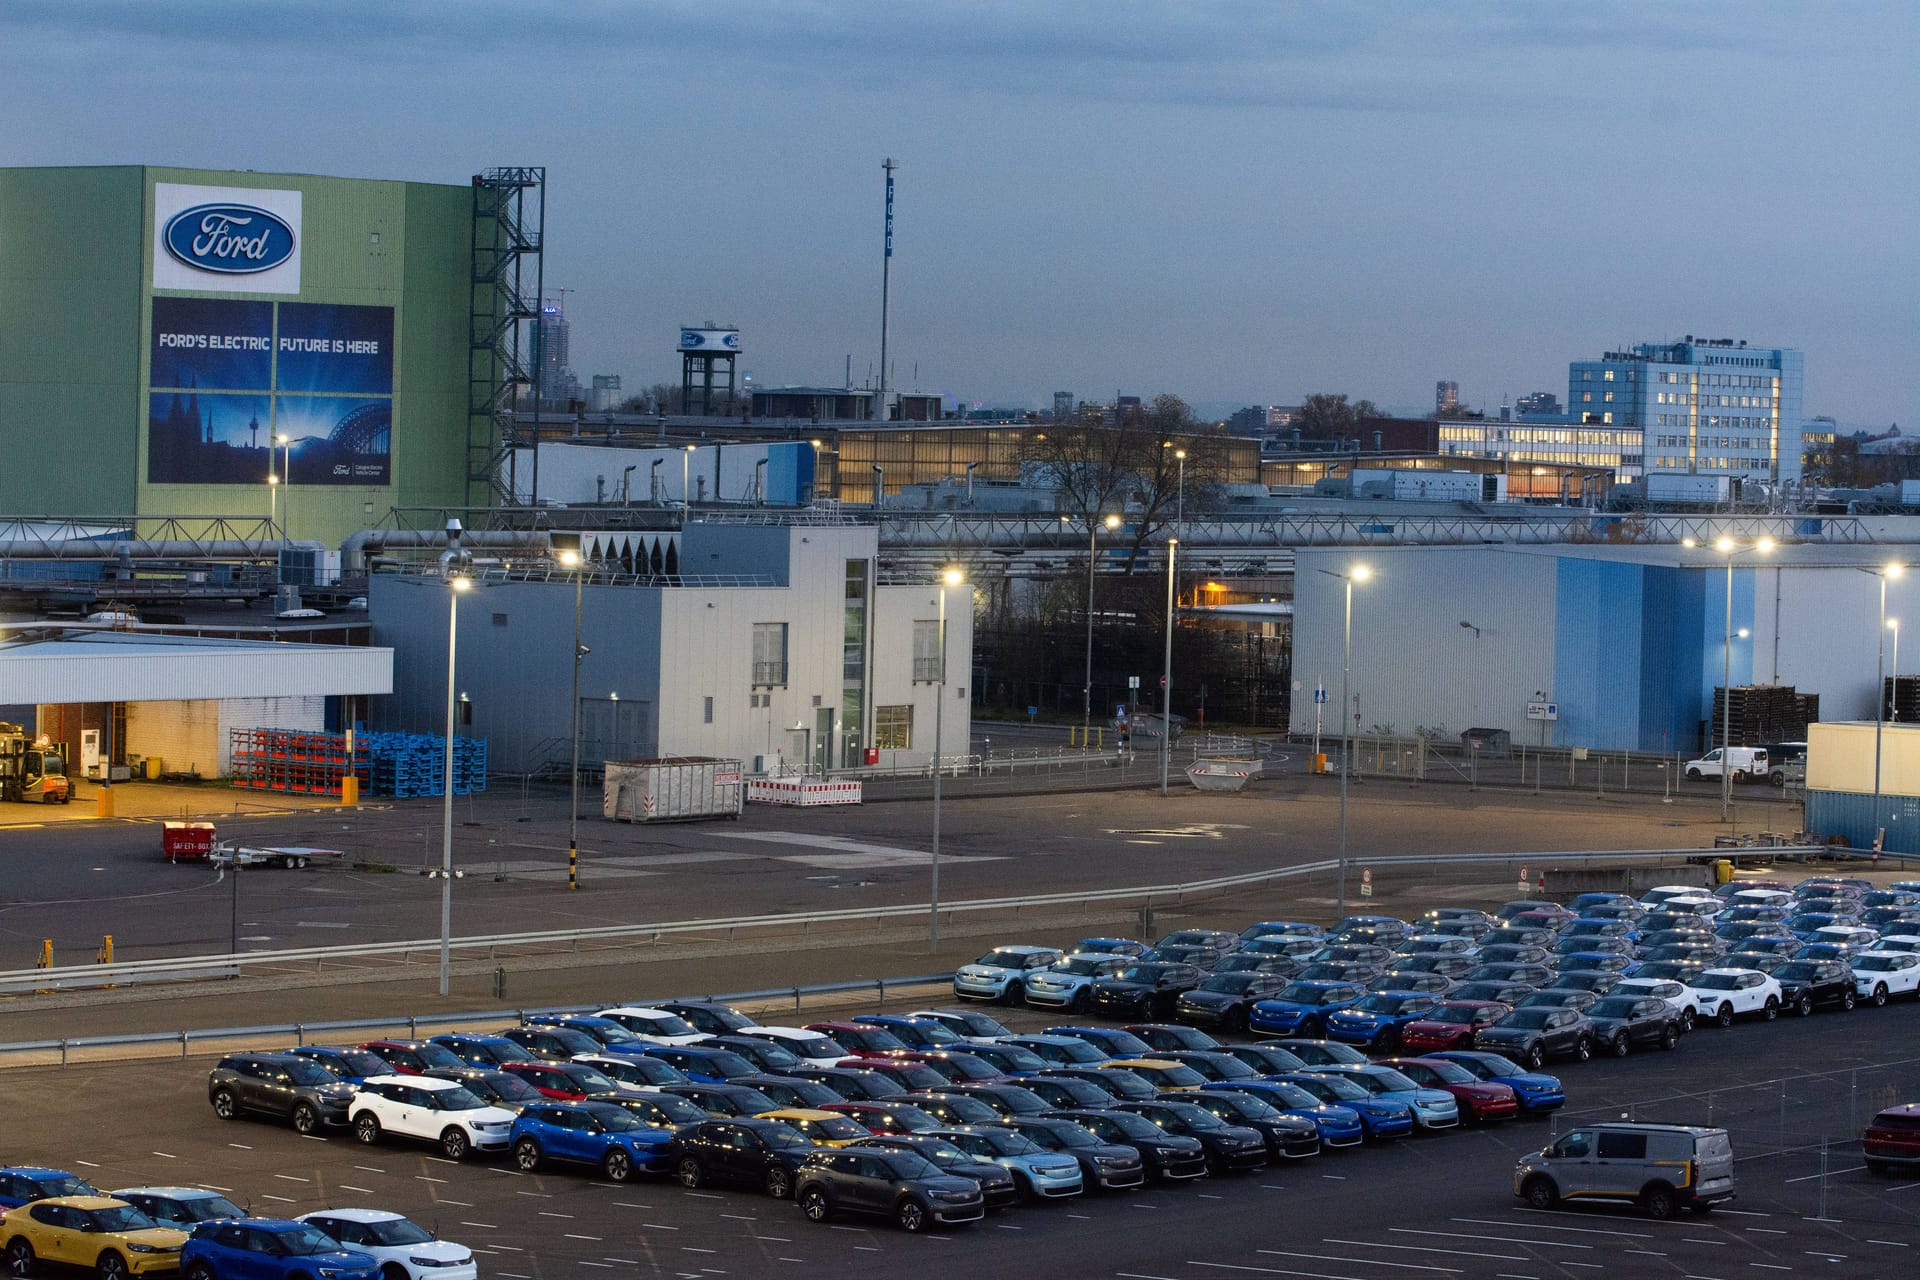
column 1243, row 1106
column 360, row 1062
column 1224, row 1066
column 1003, row 958
column 1391, row 1079
column 668, row 1024
column 1449, row 1072
column 120, row 1217
column 1082, row 966
column 941, row 1152
column 1496, row 1065
column 1717, row 981
column 1008, row 1143
column 304, row 1241
column 725, row 1062
column 571, row 1040
column 839, row 1129
column 1197, row 1118
column 910, row 1164
column 592, row 1081
column 1453, row 1013
column 617, row 1119
column 1300, row 993
column 767, row 1054
column 1178, row 1075
column 397, row 1231
column 1879, row 964
column 1012, row 1055
column 1335, row 1089
column 458, row 1098
column 1141, row 973
column 676, row 1109
column 1071, row 1050
column 784, row 1136
column 1797, row 971
column 1229, row 983
column 63, row 1184
column 1381, row 1003
column 1527, row 1019
column 1612, row 1007
column 203, row 1208
column 963, row 1066
column 311, row 1074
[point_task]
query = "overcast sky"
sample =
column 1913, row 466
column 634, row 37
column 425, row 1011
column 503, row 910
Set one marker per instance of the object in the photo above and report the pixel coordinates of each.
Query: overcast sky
column 1236, row 201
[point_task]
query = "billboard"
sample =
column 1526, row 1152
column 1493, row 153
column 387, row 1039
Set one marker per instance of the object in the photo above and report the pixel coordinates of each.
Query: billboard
column 724, row 341
column 230, row 239
column 227, row 377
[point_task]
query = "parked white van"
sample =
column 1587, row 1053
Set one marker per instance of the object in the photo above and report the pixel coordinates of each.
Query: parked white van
column 1748, row 763
column 1660, row 1167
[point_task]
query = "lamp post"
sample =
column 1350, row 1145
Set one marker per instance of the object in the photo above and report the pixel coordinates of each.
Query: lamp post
column 286, row 476
column 1166, row 674
column 1180, row 496
column 1729, row 548
column 1086, row 690
column 456, row 585
column 1358, row 573
column 273, row 499
column 571, row 559
column 1892, row 569
column 951, row 577
column 686, row 479
column 1893, row 697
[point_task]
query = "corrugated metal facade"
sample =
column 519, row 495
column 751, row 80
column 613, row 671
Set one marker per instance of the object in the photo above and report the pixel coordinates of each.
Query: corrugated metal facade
column 162, row 669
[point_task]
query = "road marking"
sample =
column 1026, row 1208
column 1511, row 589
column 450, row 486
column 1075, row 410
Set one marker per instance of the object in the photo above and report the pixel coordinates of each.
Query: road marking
column 1204, row 1196
column 707, row 1195
column 1744, row 1213
column 291, row 1177
column 1655, row 1253
column 1417, row 1248
column 570, row 1236
column 1270, row 1271
column 740, row 1217
column 585, row 1263
column 548, row 1214
column 1836, row 1173
column 625, row 1262
column 1368, row 1262
column 1770, row 1231
column 1898, row 1244
column 1337, row 1177
column 1138, row 1275
column 464, row 1204
column 166, row 1155
column 364, row 1168
column 658, row 1226
column 241, row 1146
column 281, row 1199
column 484, row 1226
column 776, row 1239
column 1771, row 1266
column 365, row 1191
column 627, row 1204
column 1543, row 1244
column 426, row 1178
column 1830, row 1257
column 1586, row 1231
column 88, row 1163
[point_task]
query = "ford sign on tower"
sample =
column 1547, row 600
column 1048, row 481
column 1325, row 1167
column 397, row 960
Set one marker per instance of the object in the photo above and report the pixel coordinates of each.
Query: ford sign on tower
column 227, row 239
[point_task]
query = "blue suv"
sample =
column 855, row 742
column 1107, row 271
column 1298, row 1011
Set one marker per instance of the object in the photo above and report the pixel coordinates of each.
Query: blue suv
column 270, row 1249
column 700, row 1063
column 1301, row 1009
column 598, row 1134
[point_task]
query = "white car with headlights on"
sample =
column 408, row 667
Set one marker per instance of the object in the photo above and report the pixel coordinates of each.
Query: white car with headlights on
column 400, row 1246
column 445, row 1112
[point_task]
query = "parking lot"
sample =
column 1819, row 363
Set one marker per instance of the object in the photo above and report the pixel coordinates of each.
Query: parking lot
column 1794, row 1093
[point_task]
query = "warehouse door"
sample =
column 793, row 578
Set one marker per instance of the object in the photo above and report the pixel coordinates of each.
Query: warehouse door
column 615, row 729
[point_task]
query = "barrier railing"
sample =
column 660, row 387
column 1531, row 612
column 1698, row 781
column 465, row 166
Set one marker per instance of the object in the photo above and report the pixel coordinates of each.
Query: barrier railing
column 226, row 964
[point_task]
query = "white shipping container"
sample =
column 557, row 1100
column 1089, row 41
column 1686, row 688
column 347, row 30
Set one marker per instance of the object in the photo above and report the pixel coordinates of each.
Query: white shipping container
column 676, row 789
column 1840, row 758
column 1684, row 488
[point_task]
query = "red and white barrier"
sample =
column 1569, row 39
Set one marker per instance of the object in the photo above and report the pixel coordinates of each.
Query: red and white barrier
column 801, row 792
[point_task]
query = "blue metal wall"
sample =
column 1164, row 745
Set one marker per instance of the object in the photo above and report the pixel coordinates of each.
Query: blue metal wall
column 1850, row 814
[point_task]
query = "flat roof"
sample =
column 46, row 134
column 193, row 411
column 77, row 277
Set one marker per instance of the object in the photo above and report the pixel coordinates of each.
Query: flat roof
column 95, row 666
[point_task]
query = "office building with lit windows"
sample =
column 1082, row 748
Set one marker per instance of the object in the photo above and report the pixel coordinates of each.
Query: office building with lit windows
column 1701, row 407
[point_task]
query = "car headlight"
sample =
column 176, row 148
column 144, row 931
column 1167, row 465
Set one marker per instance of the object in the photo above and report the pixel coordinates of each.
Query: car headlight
column 1060, row 1170
column 1112, row 1162
column 953, row 1197
column 134, row 1246
column 441, row 1262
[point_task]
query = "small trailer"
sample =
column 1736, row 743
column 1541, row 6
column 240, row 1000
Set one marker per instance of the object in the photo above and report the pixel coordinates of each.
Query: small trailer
column 186, row 841
column 226, row 853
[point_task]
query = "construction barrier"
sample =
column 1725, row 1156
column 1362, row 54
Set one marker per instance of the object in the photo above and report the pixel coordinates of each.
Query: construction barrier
column 803, row 792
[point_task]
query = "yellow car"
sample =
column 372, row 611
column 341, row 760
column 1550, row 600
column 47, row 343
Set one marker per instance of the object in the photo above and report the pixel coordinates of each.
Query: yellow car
column 822, row 1128
column 109, row 1237
column 1161, row 1073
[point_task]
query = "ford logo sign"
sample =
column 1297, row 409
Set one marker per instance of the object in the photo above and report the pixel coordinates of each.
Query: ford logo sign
column 691, row 338
column 731, row 341
column 232, row 239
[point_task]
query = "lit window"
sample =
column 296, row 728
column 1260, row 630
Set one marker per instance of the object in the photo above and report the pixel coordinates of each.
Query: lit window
column 893, row 728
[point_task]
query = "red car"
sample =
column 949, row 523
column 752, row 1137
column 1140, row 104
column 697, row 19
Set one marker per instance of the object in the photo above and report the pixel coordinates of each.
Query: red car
column 886, row 1117
column 414, row 1057
column 1479, row 1100
column 564, row 1081
column 1892, row 1138
column 1451, row 1026
column 862, row 1039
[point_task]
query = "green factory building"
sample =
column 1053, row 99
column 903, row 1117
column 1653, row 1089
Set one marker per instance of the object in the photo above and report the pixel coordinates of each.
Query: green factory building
column 162, row 329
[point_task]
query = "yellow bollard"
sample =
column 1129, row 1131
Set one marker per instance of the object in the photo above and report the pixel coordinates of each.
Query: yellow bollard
column 1722, row 870
column 105, row 802
column 349, row 791
column 105, row 954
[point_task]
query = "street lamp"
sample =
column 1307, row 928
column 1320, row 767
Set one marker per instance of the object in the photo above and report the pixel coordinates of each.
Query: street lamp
column 686, row 479
column 1358, row 573
column 571, row 559
column 1892, row 569
column 1893, row 698
column 1166, row 674
column 273, row 499
column 456, row 585
column 1093, row 534
column 951, row 577
column 1729, row 548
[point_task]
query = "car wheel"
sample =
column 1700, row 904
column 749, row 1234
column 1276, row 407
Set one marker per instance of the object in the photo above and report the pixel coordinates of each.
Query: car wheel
column 1540, row 1193
column 1772, row 1009
column 779, row 1183
column 1619, row 1045
column 1659, row 1202
column 690, row 1174
column 526, row 1155
column 1079, row 1002
column 19, row 1257
column 1877, row 1166
column 1536, row 1057
column 366, row 1127
column 1388, row 1038
column 1311, row 1029
column 1804, row 1005
column 911, row 1215
column 455, row 1144
column 617, row 1165
column 1723, row 1016
column 305, row 1118
column 1583, row 1049
column 1693, row 775
column 1848, row 1000
column 223, row 1104
column 111, row 1266
column 813, row 1203
column 1668, row 1038
column 1879, row 994
column 199, row 1269
column 1687, row 1020
column 1015, row 993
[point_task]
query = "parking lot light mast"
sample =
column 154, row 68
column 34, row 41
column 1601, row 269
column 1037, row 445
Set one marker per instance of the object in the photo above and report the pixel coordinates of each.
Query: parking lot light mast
column 1093, row 535
column 1166, row 673
column 1729, row 548
column 1892, row 569
column 951, row 577
column 1893, row 698
column 571, row 559
column 456, row 585
column 1357, row 573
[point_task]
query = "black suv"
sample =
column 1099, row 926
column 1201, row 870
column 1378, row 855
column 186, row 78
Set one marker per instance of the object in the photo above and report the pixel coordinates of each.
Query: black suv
column 997, row 1186
column 294, row 1089
column 1106, row 1165
column 1531, row 1036
column 1144, row 990
column 1805, row 984
column 904, row 1185
column 1628, row 1022
column 1165, row 1155
column 761, row 1153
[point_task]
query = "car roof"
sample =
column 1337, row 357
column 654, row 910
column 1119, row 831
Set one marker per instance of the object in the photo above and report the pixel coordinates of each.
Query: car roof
column 642, row 1009
column 1158, row 1063
column 437, row 1084
column 175, row 1193
column 34, row 1170
column 355, row 1215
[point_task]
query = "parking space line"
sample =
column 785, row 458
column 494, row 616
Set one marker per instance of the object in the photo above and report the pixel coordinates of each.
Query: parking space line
column 348, row 1186
column 168, row 1155
column 547, row 1213
column 1513, row 1275
column 570, row 1236
column 658, row 1226
column 1830, row 1257
column 1138, row 1275
column 484, row 1226
column 1418, row 1248
column 1588, row 1231
column 740, row 1217
column 1771, row 1231
column 428, row 1178
column 1655, row 1253
column 625, row 1262
column 1270, row 1271
column 87, row 1163
column 607, row 1265
column 1814, row 1177
column 1898, row 1244
column 462, row 1204
column 1365, row 1262
column 291, row 1177
column 1770, row 1266
column 627, row 1204
column 707, row 1195
column 1454, row 1235
column 364, row 1168
column 777, row 1239
column 281, row 1199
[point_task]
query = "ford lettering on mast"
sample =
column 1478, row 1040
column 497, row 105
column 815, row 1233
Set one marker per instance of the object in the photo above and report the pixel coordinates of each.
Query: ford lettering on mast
column 230, row 239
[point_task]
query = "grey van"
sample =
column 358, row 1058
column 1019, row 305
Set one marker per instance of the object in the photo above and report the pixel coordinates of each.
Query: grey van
column 1657, row 1166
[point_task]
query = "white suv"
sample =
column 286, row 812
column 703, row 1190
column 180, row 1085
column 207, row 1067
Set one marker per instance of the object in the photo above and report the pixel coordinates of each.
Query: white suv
column 656, row 1025
column 1880, row 974
column 1675, row 995
column 434, row 1110
column 401, row 1247
column 1001, row 974
column 1724, row 994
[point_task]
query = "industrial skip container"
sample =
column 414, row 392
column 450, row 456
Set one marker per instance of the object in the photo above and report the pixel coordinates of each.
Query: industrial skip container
column 675, row 789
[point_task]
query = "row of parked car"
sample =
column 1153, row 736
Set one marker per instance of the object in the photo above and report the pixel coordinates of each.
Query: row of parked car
column 1605, row 974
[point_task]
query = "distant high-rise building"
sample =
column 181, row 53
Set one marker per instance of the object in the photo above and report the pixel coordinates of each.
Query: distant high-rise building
column 1446, row 397
column 553, row 378
column 1701, row 406
column 1062, row 405
column 1538, row 402
column 606, row 393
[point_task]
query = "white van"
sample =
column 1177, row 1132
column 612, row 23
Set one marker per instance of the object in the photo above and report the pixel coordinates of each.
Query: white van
column 1660, row 1167
column 1747, row 763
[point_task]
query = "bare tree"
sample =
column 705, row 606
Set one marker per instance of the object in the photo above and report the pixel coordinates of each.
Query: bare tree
column 1328, row 416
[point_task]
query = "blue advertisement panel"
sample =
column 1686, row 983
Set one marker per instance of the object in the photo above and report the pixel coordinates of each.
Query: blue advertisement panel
column 319, row 375
column 335, row 349
column 212, row 344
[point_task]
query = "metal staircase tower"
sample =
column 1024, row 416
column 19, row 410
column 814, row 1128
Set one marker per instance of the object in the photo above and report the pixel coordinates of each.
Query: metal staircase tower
column 509, row 220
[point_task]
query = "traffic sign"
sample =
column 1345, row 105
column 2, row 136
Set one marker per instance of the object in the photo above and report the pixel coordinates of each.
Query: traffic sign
column 1133, row 682
column 1523, row 878
column 1319, row 697
column 1543, row 711
column 1366, row 882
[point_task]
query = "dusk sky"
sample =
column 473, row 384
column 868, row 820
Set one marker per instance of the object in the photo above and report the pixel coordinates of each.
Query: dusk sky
column 1239, row 202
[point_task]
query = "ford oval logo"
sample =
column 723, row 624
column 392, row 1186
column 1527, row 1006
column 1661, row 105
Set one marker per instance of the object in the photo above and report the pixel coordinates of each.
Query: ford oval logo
column 232, row 239
column 731, row 341
column 691, row 338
